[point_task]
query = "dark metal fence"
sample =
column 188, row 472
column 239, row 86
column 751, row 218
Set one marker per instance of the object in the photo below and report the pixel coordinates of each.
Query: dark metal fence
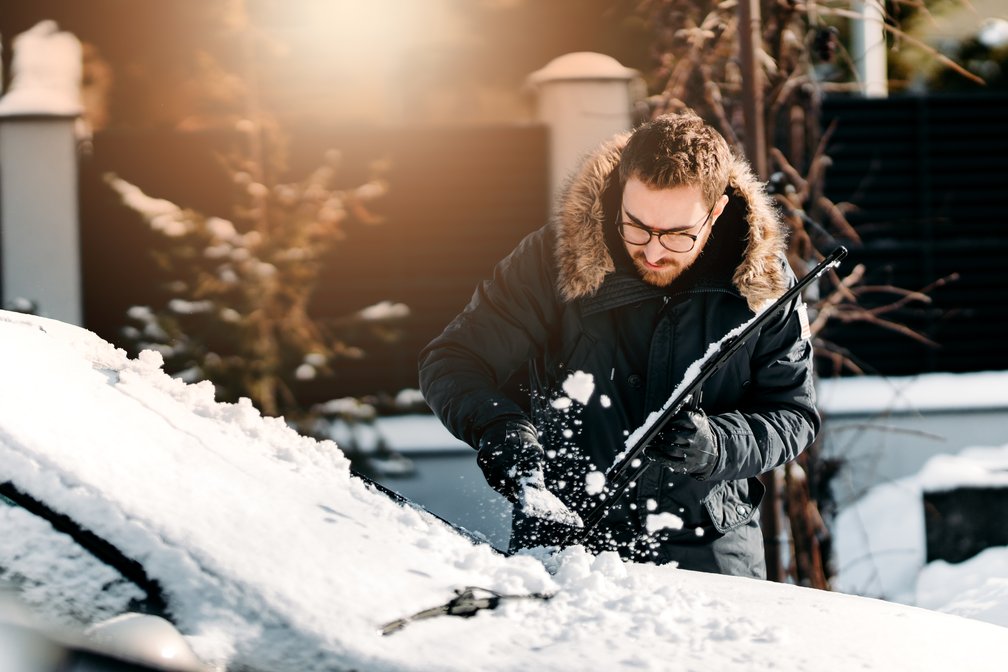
column 929, row 178
column 460, row 199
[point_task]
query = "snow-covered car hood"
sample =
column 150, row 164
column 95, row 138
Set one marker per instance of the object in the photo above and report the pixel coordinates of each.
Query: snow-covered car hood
column 270, row 554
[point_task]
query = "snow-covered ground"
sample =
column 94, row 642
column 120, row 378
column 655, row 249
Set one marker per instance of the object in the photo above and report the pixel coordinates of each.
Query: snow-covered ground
column 880, row 542
column 270, row 554
column 916, row 435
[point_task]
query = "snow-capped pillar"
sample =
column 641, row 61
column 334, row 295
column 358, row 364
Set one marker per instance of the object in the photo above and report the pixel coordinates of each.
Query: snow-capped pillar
column 583, row 98
column 40, row 241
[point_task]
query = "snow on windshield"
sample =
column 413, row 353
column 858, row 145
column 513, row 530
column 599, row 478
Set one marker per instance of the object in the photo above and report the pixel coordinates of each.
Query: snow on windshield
column 271, row 554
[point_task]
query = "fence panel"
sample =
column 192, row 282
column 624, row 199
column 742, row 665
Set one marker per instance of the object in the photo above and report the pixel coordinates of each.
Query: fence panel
column 459, row 200
column 928, row 175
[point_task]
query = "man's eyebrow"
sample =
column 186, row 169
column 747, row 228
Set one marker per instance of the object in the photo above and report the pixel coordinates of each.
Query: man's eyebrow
column 641, row 224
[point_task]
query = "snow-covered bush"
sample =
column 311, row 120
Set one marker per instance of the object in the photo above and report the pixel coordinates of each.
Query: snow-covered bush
column 238, row 289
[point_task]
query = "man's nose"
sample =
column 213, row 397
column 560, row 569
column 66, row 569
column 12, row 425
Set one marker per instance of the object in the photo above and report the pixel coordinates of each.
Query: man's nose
column 654, row 252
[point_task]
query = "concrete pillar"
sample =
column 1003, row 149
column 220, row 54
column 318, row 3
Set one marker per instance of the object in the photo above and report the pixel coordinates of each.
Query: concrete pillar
column 868, row 48
column 584, row 98
column 40, row 242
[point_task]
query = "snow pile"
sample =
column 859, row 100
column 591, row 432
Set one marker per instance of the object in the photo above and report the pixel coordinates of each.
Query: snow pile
column 880, row 543
column 46, row 73
column 976, row 588
column 272, row 555
column 255, row 532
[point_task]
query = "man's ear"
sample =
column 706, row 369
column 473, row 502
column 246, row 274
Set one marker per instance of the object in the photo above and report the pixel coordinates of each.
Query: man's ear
column 719, row 207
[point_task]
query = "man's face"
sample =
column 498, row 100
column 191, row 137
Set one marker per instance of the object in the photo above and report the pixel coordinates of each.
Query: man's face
column 678, row 210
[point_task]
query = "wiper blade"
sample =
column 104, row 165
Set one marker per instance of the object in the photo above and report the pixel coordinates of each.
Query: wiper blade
column 466, row 604
column 102, row 550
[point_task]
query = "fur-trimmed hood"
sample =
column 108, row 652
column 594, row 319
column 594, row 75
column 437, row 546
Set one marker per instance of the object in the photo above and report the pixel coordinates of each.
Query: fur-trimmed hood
column 584, row 260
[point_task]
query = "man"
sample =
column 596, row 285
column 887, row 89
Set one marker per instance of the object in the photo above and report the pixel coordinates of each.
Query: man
column 662, row 243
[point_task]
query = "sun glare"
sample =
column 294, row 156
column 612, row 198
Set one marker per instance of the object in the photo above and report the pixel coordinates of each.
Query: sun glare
column 369, row 34
column 360, row 49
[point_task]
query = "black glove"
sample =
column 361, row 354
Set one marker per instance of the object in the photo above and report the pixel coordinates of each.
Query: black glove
column 687, row 444
column 509, row 453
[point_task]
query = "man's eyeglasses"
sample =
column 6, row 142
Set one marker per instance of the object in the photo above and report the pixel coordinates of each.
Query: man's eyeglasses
column 673, row 241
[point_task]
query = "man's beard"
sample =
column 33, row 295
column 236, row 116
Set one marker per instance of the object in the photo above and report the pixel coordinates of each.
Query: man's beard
column 661, row 277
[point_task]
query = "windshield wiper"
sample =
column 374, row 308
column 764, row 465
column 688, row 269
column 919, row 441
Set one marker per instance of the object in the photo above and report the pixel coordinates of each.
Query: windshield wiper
column 466, row 604
column 102, row 550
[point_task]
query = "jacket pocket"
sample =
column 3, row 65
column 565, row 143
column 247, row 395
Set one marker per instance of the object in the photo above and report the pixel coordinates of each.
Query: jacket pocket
column 734, row 503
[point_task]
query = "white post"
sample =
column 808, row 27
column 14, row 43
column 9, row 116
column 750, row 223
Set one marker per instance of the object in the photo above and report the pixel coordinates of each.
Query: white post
column 868, row 48
column 584, row 98
column 40, row 242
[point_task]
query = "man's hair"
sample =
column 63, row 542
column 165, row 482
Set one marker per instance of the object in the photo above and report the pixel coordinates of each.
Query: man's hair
column 676, row 150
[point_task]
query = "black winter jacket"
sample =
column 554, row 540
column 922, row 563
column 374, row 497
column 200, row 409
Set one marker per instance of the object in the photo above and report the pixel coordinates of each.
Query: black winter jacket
column 568, row 300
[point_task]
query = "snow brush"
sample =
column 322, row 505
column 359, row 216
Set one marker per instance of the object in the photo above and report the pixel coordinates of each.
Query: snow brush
column 631, row 464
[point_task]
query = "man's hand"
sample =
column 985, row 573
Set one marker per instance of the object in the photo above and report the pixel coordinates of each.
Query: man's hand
column 511, row 458
column 510, row 455
column 687, row 444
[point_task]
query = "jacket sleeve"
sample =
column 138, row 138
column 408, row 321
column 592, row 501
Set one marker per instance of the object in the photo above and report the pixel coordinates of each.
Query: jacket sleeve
column 778, row 419
column 506, row 323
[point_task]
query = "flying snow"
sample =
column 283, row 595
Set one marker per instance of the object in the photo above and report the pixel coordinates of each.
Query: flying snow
column 594, row 482
column 579, row 386
column 663, row 521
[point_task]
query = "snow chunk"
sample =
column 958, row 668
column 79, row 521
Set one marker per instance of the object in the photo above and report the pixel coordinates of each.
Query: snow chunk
column 220, row 228
column 610, row 565
column 163, row 215
column 183, row 307
column 663, row 521
column 594, row 482
column 579, row 386
column 537, row 501
column 561, row 403
column 385, row 310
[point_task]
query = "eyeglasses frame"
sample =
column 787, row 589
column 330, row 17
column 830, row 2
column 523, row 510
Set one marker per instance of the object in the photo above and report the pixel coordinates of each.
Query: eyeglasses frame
column 658, row 233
